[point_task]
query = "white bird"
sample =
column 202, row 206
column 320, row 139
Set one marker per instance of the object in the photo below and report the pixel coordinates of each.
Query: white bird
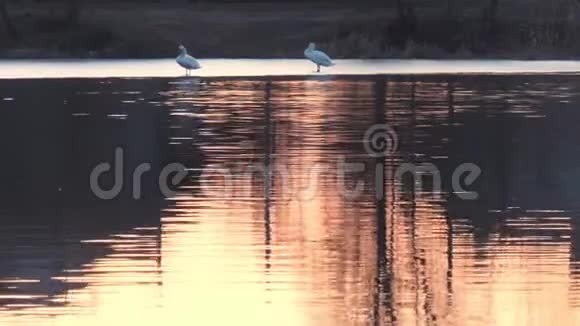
column 186, row 61
column 318, row 57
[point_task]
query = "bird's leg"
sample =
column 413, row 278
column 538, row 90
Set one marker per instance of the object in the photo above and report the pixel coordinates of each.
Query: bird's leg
column 317, row 68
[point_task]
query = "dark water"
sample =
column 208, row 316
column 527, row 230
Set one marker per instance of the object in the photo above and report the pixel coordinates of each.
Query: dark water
column 228, row 247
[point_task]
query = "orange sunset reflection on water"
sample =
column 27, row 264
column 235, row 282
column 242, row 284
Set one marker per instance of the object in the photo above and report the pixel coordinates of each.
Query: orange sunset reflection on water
column 229, row 248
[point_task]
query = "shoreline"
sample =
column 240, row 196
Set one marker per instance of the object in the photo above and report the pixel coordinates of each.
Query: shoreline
column 288, row 68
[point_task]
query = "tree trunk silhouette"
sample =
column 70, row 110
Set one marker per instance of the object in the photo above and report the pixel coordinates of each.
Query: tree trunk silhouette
column 400, row 8
column 451, row 9
column 493, row 4
column 73, row 12
column 406, row 11
column 8, row 25
column 490, row 19
column 403, row 28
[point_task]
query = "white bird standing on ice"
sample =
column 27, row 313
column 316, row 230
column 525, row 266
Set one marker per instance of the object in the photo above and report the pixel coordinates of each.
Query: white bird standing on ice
column 318, row 57
column 186, row 61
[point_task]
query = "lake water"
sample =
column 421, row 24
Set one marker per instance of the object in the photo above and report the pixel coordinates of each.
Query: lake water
column 236, row 242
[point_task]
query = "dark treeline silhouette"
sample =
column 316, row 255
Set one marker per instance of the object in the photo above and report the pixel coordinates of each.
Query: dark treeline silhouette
column 372, row 28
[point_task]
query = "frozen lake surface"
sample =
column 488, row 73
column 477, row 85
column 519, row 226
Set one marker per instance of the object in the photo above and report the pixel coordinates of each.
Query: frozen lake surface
column 130, row 68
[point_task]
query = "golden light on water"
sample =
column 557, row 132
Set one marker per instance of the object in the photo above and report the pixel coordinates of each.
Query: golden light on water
column 259, row 256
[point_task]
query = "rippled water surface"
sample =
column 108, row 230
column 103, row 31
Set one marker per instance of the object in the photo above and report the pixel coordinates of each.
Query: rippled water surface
column 228, row 247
